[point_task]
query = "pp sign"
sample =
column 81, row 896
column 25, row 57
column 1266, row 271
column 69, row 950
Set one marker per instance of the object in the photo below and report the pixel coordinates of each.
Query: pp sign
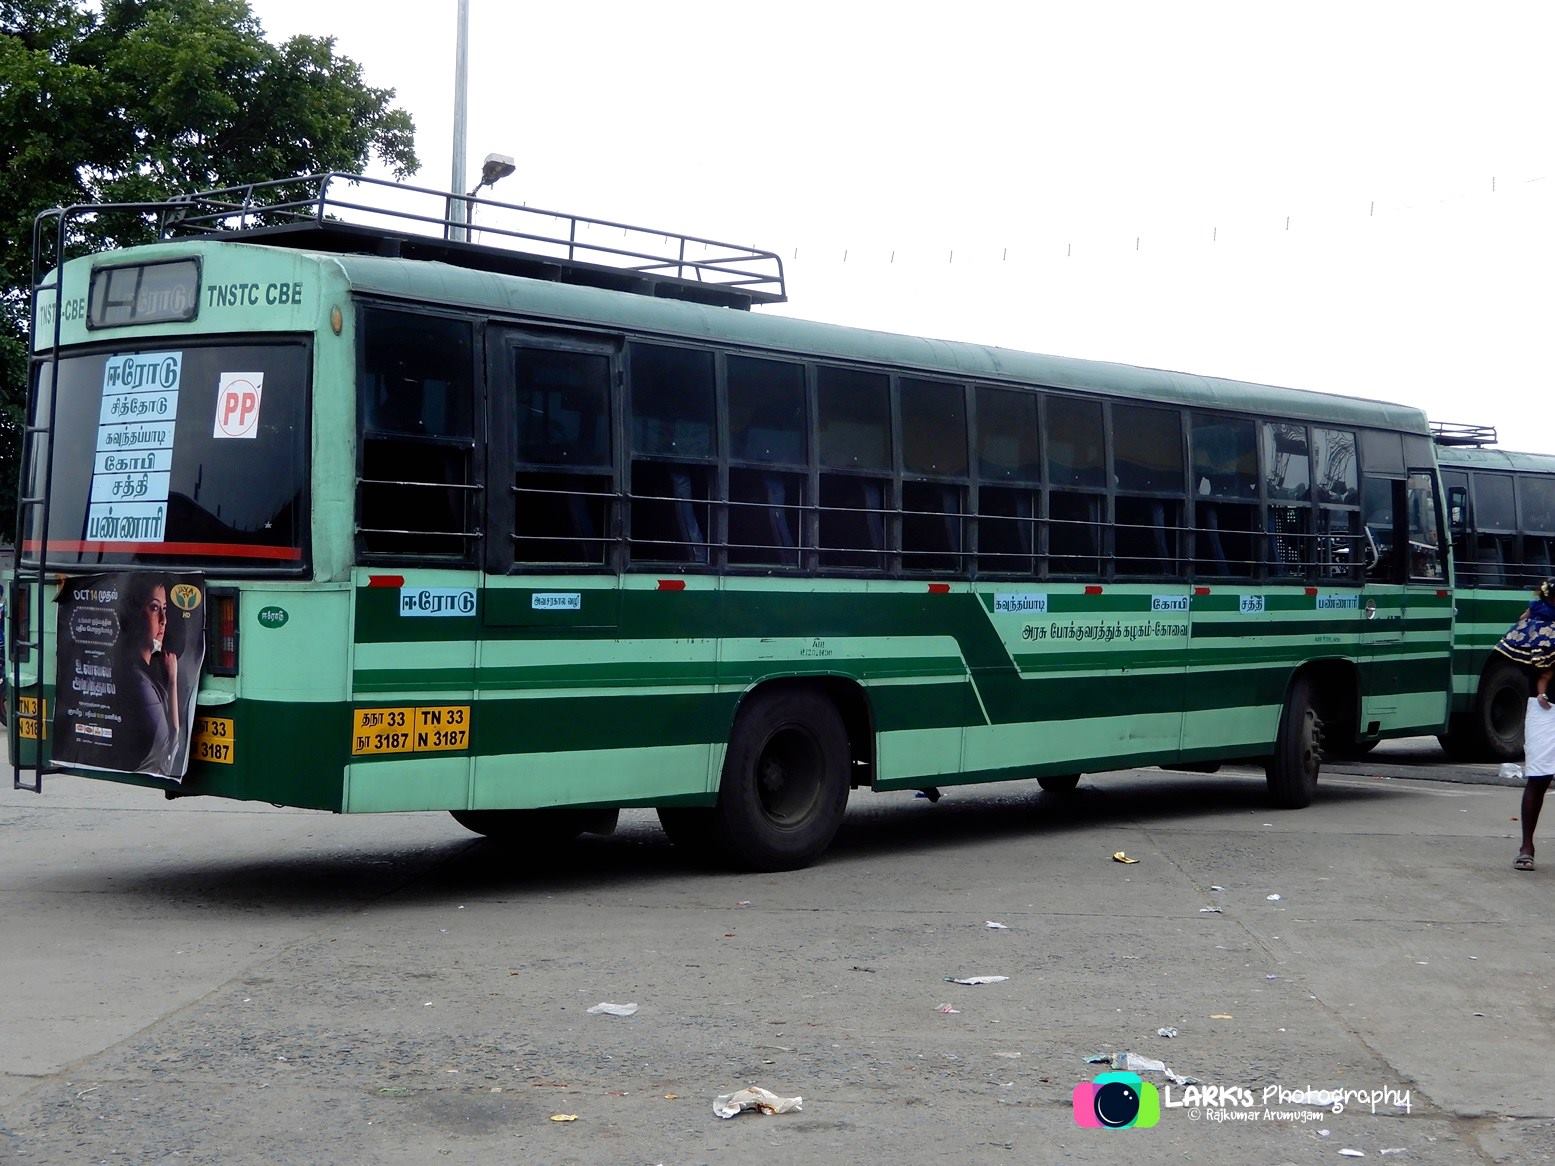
column 237, row 404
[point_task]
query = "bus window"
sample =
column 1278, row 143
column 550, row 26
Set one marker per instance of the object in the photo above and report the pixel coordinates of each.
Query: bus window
column 1335, row 474
column 1460, row 526
column 417, row 490
column 933, row 446
column 1147, row 470
column 1336, row 543
column 1225, row 495
column 1495, row 526
column 168, row 486
column 1009, row 471
column 673, row 450
column 1077, row 476
column 769, row 430
column 1288, row 487
column 1425, row 551
column 1536, row 502
column 563, row 484
column 1382, row 453
column 855, row 457
column 1336, row 485
column 1378, row 498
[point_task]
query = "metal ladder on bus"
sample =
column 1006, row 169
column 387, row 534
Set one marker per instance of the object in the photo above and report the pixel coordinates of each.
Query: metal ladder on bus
column 28, row 644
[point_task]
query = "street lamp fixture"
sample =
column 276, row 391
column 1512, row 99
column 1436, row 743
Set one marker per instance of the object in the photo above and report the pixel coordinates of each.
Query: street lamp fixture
column 493, row 170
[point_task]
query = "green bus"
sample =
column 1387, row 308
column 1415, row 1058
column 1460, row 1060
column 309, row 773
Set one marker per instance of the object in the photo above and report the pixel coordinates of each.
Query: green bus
column 1501, row 507
column 532, row 529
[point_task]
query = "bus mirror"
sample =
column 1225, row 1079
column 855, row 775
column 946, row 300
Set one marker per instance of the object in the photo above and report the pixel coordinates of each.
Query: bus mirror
column 1457, row 509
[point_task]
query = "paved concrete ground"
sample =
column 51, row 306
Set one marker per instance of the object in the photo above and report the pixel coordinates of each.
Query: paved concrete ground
column 214, row 982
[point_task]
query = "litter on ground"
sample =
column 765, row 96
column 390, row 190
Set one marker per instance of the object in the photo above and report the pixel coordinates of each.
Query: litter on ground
column 754, row 1097
column 608, row 1009
column 973, row 981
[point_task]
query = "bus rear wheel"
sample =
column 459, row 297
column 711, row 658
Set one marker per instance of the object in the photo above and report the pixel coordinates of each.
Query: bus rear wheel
column 1498, row 710
column 1298, row 750
column 1059, row 783
column 785, row 781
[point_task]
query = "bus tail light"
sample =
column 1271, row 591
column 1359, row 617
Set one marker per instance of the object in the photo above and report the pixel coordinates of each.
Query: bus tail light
column 224, row 625
column 21, row 621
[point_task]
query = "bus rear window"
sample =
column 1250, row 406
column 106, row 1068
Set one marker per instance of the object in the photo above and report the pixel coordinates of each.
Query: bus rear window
column 167, row 455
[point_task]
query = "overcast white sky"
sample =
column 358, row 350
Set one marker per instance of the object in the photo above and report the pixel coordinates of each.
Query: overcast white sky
column 1114, row 180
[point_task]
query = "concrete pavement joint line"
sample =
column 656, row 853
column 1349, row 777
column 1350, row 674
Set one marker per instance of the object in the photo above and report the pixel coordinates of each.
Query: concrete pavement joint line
column 271, row 957
column 1256, row 941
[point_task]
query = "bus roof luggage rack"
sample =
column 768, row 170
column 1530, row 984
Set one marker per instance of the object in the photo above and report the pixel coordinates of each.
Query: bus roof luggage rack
column 352, row 213
column 1455, row 433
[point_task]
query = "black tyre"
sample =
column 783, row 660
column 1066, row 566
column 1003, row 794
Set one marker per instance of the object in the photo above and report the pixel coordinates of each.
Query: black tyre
column 1498, row 710
column 1059, row 783
column 1298, row 750
column 785, row 781
column 539, row 829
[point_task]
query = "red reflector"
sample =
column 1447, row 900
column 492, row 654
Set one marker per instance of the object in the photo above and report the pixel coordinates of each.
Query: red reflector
column 395, row 581
column 1311, row 590
column 672, row 584
column 939, row 588
column 1093, row 588
column 1201, row 590
column 1442, row 594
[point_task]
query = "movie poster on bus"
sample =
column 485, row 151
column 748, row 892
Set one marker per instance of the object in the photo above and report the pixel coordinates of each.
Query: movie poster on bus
column 130, row 647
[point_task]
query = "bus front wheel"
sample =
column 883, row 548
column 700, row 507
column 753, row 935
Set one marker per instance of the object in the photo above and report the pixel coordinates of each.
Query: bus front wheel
column 785, row 781
column 1059, row 783
column 1298, row 750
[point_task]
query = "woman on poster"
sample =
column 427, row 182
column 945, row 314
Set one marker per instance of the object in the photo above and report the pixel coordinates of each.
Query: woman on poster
column 146, row 676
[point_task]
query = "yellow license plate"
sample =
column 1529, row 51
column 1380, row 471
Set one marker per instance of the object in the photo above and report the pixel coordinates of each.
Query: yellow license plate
column 214, row 740
column 422, row 729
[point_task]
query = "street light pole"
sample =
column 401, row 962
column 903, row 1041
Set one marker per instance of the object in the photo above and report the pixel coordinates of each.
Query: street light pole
column 458, row 213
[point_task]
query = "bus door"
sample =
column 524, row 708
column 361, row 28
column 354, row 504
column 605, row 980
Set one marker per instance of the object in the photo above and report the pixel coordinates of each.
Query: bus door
column 1405, row 663
column 552, row 600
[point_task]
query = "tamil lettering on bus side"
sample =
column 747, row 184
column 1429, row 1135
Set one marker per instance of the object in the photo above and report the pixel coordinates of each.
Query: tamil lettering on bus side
column 437, row 601
column 1033, row 603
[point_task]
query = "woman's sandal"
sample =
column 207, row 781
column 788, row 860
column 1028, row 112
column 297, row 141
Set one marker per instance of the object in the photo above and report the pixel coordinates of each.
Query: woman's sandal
column 1523, row 862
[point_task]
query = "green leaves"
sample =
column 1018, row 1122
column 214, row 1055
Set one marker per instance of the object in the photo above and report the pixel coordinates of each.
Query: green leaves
column 136, row 100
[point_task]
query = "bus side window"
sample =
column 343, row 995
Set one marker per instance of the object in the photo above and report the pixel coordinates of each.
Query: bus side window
column 1379, row 502
column 1077, row 485
column 1225, row 496
column 1336, row 487
column 1287, row 469
column 769, row 440
column 674, row 454
column 1147, row 471
column 1425, row 552
column 563, row 486
column 855, row 463
column 1009, row 473
column 1536, row 505
column 1495, row 530
column 934, row 474
column 417, row 494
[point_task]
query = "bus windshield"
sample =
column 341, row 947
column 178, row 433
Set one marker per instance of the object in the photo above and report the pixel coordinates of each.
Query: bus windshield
column 171, row 453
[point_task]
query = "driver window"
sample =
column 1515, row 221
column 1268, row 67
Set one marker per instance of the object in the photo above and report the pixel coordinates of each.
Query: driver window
column 1379, row 507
